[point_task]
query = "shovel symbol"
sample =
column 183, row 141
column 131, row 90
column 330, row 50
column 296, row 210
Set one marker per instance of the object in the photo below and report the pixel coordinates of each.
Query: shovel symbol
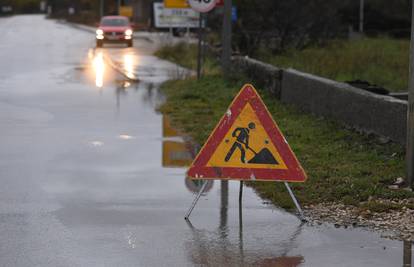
column 263, row 157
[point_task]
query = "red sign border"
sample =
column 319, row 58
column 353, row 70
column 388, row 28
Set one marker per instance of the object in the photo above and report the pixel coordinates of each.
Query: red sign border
column 203, row 10
column 247, row 94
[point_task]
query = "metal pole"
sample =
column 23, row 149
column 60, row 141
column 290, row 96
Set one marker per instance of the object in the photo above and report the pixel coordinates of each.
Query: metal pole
column 241, row 233
column 200, row 33
column 119, row 7
column 195, row 200
column 361, row 16
column 203, row 43
column 101, row 8
column 301, row 215
column 226, row 36
column 410, row 111
column 224, row 208
column 241, row 192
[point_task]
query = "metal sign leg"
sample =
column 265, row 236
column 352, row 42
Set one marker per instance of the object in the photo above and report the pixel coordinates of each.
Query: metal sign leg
column 195, row 200
column 301, row 215
column 241, row 192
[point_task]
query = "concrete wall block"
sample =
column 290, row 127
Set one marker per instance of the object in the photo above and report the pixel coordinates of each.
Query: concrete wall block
column 264, row 75
column 371, row 113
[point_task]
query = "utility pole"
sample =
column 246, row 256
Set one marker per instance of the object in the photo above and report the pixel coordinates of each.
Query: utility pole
column 410, row 110
column 226, row 36
column 200, row 45
column 101, row 8
column 361, row 16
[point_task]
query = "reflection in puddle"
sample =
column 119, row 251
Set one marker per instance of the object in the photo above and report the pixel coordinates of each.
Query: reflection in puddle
column 167, row 129
column 129, row 65
column 175, row 154
column 97, row 143
column 121, row 89
column 91, row 54
column 217, row 248
column 126, row 137
column 407, row 254
column 178, row 153
column 99, row 68
column 195, row 185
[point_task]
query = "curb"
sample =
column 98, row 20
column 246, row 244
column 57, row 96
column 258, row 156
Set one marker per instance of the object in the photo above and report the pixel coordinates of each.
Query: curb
column 120, row 70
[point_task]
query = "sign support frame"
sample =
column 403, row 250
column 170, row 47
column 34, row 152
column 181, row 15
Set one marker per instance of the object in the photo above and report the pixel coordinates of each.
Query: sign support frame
column 241, row 192
column 187, row 215
column 301, row 215
column 292, row 196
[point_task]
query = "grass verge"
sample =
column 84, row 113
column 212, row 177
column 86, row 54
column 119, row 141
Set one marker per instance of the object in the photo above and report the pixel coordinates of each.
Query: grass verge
column 342, row 166
column 380, row 61
column 186, row 55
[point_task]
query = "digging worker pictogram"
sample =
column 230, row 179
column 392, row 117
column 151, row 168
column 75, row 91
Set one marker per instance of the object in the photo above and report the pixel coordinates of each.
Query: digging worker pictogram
column 242, row 139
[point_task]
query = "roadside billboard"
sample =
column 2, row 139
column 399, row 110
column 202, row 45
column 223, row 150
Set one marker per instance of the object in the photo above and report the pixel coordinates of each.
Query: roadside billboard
column 175, row 17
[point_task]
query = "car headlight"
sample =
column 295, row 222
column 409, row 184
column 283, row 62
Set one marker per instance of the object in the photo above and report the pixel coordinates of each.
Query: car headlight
column 99, row 32
column 128, row 32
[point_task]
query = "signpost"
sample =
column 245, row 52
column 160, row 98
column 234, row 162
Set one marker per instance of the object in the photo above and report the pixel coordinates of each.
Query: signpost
column 247, row 145
column 409, row 158
column 226, row 36
column 202, row 6
column 174, row 17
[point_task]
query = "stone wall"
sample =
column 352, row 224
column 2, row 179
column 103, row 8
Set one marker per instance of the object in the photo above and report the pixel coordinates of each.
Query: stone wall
column 371, row 113
column 266, row 76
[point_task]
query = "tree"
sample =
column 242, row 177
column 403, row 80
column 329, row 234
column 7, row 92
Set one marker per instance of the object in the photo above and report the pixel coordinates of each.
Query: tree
column 280, row 24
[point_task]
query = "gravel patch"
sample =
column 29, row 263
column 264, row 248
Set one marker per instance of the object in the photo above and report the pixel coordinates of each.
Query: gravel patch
column 395, row 223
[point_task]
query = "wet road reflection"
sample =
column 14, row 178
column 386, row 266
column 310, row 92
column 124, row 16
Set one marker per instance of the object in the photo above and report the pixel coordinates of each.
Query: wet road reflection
column 217, row 249
column 407, row 254
column 99, row 68
column 194, row 186
column 178, row 153
column 128, row 64
column 175, row 151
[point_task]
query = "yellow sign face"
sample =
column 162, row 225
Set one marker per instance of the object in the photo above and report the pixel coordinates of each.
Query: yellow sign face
column 126, row 11
column 247, row 145
column 176, row 4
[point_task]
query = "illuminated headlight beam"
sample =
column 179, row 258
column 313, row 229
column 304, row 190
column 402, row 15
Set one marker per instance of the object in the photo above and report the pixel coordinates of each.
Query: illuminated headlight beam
column 99, row 67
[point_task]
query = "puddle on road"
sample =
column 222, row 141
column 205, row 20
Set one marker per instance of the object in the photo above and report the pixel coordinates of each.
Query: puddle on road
column 255, row 234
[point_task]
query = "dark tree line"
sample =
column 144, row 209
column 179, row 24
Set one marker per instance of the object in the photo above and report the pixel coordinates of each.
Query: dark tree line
column 22, row 6
column 281, row 24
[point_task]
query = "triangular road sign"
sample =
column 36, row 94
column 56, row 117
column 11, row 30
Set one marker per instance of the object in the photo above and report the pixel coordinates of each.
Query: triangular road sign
column 247, row 145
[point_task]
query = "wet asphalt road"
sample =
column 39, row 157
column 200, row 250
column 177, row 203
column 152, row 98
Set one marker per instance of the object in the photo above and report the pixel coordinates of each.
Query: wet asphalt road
column 82, row 181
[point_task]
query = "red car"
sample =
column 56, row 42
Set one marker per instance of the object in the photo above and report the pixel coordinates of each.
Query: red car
column 114, row 29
